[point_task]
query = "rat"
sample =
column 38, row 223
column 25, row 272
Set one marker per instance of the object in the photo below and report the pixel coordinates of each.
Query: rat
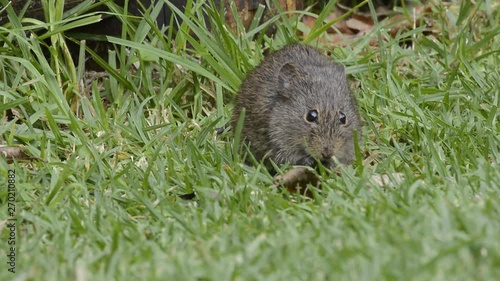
column 299, row 109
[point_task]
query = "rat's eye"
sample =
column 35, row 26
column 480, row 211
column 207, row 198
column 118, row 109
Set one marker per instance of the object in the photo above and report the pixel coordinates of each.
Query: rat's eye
column 312, row 116
column 342, row 118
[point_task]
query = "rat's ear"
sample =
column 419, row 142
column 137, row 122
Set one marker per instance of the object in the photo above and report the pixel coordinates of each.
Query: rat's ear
column 287, row 74
column 341, row 69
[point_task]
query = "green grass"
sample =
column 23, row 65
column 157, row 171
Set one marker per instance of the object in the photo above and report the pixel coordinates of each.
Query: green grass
column 101, row 201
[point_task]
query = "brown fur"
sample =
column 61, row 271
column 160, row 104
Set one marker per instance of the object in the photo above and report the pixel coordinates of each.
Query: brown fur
column 277, row 96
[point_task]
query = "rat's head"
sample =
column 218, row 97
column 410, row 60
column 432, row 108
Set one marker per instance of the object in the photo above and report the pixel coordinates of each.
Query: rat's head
column 314, row 116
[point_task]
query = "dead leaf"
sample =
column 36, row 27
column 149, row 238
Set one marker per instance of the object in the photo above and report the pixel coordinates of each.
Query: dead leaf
column 359, row 24
column 14, row 152
column 388, row 181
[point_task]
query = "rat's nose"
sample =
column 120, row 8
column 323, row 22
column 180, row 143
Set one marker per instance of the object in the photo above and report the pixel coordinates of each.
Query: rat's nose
column 327, row 153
